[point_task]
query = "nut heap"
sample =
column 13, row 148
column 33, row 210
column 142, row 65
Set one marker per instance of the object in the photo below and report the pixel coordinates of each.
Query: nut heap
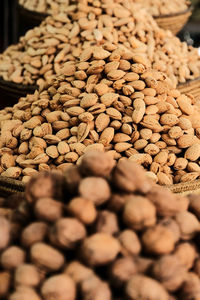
column 101, row 232
column 46, row 6
column 60, row 38
column 155, row 8
column 109, row 101
column 161, row 7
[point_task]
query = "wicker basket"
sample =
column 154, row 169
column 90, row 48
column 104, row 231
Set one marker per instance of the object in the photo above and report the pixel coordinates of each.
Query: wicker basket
column 10, row 186
column 174, row 22
column 31, row 16
column 186, row 187
column 10, row 92
column 16, row 89
column 192, row 87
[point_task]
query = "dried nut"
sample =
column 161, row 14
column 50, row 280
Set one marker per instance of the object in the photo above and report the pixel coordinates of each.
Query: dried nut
column 97, row 164
column 186, row 260
column 170, row 272
column 5, row 279
column 180, row 163
column 130, row 243
column 193, row 152
column 12, row 257
column 33, row 233
column 188, row 223
column 186, row 140
column 158, row 240
column 4, row 232
column 95, row 189
column 107, row 136
column 61, row 286
column 12, row 172
column 27, row 275
column 139, row 286
column 47, row 209
column 52, row 151
column 172, row 206
column 139, row 213
column 24, row 292
column 100, row 249
column 63, row 148
column 46, row 257
column 67, row 232
column 83, row 209
column 138, row 114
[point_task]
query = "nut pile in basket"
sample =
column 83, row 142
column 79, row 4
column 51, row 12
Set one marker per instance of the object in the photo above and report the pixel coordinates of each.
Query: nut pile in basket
column 46, row 6
column 162, row 8
column 60, row 38
column 101, row 232
column 108, row 101
column 155, row 8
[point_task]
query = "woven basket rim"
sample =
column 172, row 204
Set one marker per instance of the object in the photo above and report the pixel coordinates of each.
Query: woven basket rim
column 190, row 8
column 188, row 82
column 10, row 186
column 13, row 88
column 183, row 187
column 35, row 15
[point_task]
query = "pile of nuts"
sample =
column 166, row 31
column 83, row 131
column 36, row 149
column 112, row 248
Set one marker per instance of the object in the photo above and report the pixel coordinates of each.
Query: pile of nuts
column 108, row 101
column 61, row 38
column 162, row 8
column 154, row 7
column 46, row 6
column 99, row 232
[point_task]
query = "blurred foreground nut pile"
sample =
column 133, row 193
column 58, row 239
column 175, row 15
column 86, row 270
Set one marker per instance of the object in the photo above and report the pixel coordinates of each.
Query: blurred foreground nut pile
column 102, row 231
column 108, row 101
column 60, row 38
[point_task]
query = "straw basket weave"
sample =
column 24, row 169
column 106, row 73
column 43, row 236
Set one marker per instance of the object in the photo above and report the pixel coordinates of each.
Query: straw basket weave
column 31, row 16
column 9, row 186
column 16, row 90
column 174, row 22
column 192, row 87
column 185, row 188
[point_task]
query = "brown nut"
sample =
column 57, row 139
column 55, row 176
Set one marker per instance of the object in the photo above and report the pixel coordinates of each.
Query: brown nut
column 100, row 249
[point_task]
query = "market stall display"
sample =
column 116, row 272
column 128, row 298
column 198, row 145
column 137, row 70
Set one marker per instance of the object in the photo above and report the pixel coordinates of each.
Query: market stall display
column 99, row 159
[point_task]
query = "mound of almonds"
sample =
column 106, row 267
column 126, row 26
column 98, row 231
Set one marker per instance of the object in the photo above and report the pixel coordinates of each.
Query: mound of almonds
column 110, row 102
column 155, row 8
column 46, row 6
column 63, row 37
column 161, row 7
column 101, row 231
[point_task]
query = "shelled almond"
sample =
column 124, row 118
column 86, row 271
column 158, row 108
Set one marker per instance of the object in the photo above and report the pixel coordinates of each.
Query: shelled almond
column 64, row 37
column 141, row 242
column 92, row 107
